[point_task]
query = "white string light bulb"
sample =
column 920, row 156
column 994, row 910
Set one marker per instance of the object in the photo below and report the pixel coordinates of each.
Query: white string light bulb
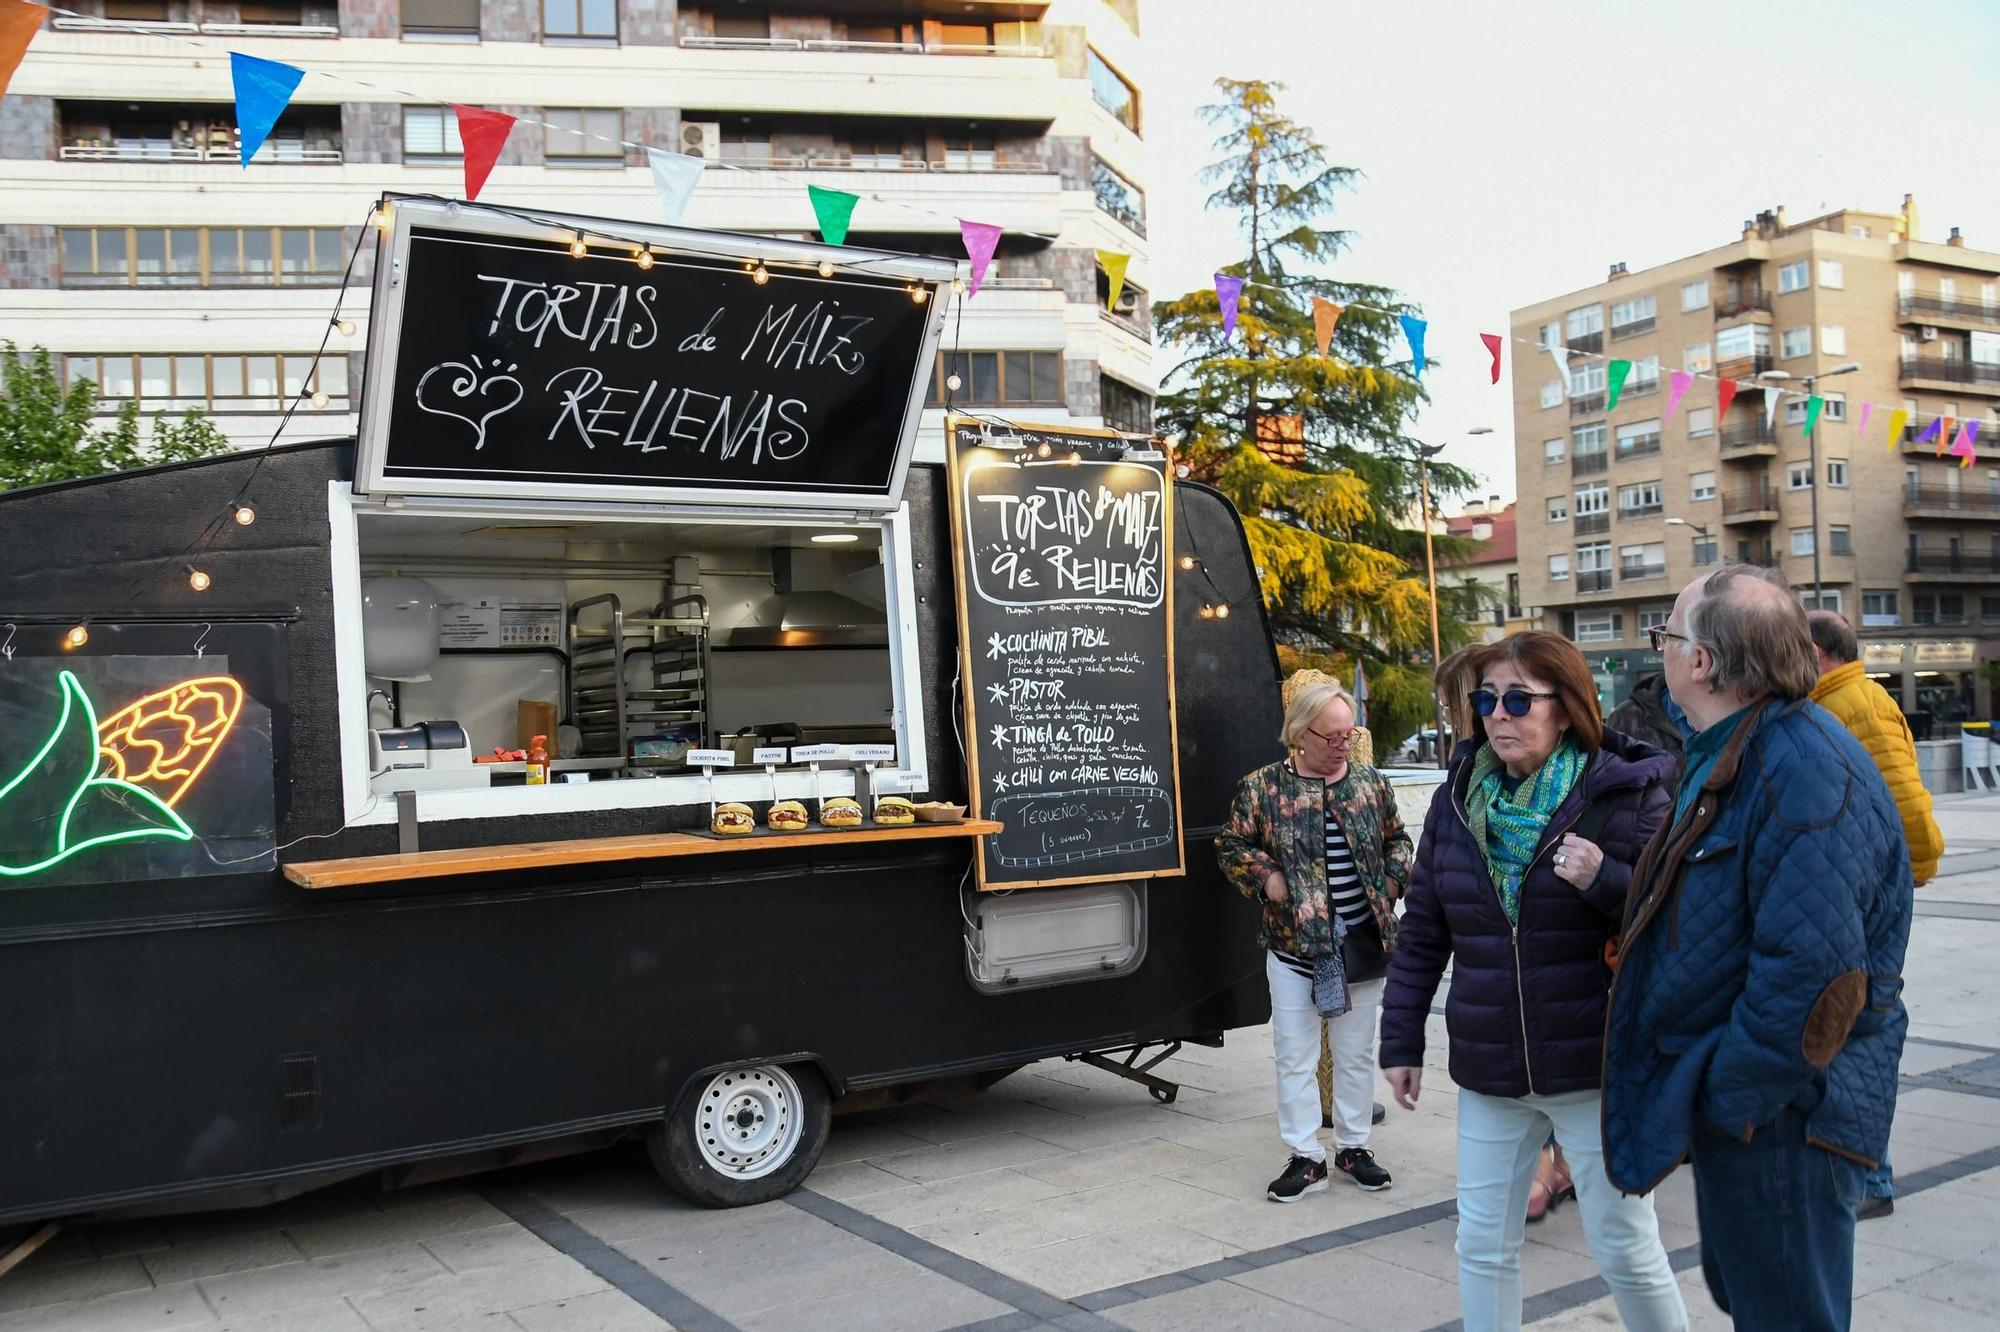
column 344, row 327
column 382, row 217
column 953, row 382
column 1187, row 564
column 919, row 295
column 826, row 268
column 244, row 515
column 319, row 400
column 76, row 637
column 198, row 580
column 577, row 249
column 760, row 275
column 644, row 258
column 1222, row 611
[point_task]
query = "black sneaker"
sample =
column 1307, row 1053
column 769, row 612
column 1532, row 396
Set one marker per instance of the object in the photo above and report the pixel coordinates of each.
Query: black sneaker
column 1302, row 1175
column 1359, row 1163
column 1873, row 1207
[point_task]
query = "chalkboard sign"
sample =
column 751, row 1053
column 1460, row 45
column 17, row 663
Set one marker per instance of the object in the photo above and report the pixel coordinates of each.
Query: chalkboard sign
column 503, row 365
column 1060, row 542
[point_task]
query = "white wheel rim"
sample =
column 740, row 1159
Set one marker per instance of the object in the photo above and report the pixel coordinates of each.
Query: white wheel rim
column 748, row 1120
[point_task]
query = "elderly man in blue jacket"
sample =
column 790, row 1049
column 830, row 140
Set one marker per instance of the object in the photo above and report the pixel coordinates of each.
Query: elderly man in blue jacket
column 1756, row 1020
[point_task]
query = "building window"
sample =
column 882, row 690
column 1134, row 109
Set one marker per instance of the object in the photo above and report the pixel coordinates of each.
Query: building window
column 1698, row 358
column 1655, row 617
column 430, row 131
column 1552, row 450
column 1118, row 196
column 1558, row 508
column 1636, row 501
column 969, row 154
column 1700, row 422
column 1989, row 608
column 202, row 256
column 1645, row 560
column 1586, row 379
column 991, row 378
column 1793, row 277
column 873, row 154
column 1558, row 568
column 1125, row 408
column 591, row 137
column 1836, row 471
column 1550, row 335
column 1880, row 607
column 1701, row 486
column 1839, row 539
column 1112, row 91
column 1802, row 541
column 1644, row 376
column 455, row 18
column 1795, row 342
column 1694, row 295
column 1583, row 321
column 1592, row 500
column 1587, row 440
column 1632, row 317
column 1938, row 607
column 220, row 384
column 1798, row 476
column 1599, row 626
column 1734, row 344
column 1832, row 273
column 580, row 18
column 1637, row 439
column 1828, row 599
column 1833, row 407
column 1552, row 393
column 751, row 27
column 746, row 145
column 1704, row 550
column 1833, row 339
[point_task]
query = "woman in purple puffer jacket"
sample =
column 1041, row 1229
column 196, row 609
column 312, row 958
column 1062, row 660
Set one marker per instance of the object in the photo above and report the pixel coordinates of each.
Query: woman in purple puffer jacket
column 1520, row 885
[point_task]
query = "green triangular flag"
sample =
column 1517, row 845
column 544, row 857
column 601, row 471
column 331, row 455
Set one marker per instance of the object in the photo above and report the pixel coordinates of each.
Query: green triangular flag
column 1614, row 379
column 834, row 209
column 1813, row 405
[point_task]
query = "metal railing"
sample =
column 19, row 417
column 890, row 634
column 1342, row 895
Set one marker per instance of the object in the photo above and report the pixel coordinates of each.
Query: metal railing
column 1951, row 498
column 1743, row 302
column 1585, row 342
column 1642, row 511
column 1594, row 580
column 163, row 152
column 840, row 161
column 1747, row 435
column 1913, row 304
column 1589, row 464
column 1922, row 561
column 1643, row 446
column 1749, row 501
column 706, row 41
column 1951, row 372
column 1635, row 328
column 1586, row 404
column 1639, row 573
column 1639, row 388
column 1592, row 524
column 269, row 30
column 65, row 24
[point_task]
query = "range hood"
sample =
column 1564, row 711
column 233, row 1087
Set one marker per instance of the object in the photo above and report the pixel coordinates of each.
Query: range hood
column 812, row 606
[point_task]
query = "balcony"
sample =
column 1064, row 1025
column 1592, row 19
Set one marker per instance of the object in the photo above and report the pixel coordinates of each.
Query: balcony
column 1592, row 524
column 1743, row 367
column 842, row 160
column 1642, row 446
column 1594, row 580
column 167, row 132
column 1589, row 464
column 1640, row 511
column 1975, row 375
column 1635, row 328
column 1920, row 501
column 1748, row 439
column 840, row 46
column 1586, row 404
column 274, row 150
column 81, row 23
column 1759, row 504
column 1930, row 307
column 1984, row 447
column 1749, row 300
column 1641, row 573
column 1585, row 342
column 1931, row 563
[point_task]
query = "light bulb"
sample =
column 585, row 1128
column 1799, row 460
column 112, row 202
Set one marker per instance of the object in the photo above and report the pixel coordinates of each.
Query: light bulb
column 1187, row 564
column 382, row 217
column 1207, row 611
column 577, row 249
column 760, row 275
column 1222, row 611
column 244, row 515
column 320, row 400
column 1044, row 450
column 958, row 286
column 345, row 327
column 198, row 580
column 1181, row 471
column 645, row 258
column 1074, row 458
column 919, row 294
column 826, row 268
column 76, row 637
column 953, row 382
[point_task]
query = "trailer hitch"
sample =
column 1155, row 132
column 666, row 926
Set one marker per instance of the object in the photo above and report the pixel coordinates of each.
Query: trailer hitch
column 1132, row 1070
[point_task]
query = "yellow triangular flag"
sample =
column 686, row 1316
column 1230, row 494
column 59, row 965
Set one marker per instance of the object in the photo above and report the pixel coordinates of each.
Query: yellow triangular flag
column 1114, row 265
column 1898, row 420
column 1326, row 317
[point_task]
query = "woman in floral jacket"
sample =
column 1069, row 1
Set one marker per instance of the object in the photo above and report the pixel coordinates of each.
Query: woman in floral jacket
column 1311, row 839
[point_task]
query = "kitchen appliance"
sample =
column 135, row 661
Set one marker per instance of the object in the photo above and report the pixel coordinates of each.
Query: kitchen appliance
column 429, row 756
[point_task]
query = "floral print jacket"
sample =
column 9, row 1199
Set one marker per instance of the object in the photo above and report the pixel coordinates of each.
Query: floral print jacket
column 1278, row 822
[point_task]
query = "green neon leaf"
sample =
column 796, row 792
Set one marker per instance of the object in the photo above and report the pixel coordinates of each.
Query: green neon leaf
column 85, row 809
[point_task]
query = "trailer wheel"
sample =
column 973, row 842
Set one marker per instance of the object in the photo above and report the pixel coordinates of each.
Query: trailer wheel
column 747, row 1135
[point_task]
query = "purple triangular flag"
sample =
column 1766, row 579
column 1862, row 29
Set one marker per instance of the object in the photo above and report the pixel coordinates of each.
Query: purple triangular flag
column 1228, row 294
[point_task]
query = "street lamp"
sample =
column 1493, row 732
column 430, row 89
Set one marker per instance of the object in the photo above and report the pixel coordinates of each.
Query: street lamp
column 1812, row 456
column 1426, row 452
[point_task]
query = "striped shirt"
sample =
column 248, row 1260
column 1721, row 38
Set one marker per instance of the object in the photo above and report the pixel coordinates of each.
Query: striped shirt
column 1344, row 893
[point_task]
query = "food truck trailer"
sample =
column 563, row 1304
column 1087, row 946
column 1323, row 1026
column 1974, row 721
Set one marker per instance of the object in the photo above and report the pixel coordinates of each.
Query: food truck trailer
column 283, row 901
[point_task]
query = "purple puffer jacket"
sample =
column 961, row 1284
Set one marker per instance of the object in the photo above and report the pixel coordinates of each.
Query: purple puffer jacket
column 1526, row 1009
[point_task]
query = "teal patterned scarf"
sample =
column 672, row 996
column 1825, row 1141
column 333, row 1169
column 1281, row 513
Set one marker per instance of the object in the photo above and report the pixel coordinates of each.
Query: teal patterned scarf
column 1509, row 827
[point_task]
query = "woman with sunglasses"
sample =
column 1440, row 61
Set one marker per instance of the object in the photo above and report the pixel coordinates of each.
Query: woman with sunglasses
column 1520, row 886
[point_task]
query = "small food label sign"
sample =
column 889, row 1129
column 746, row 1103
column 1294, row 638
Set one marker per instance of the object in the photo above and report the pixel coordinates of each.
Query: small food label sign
column 1061, row 543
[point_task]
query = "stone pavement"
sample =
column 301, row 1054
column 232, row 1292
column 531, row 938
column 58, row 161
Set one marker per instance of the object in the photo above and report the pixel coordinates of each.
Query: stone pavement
column 1061, row 1197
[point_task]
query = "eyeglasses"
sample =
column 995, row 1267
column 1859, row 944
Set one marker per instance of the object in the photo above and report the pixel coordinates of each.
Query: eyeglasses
column 1659, row 634
column 1518, row 702
column 1339, row 739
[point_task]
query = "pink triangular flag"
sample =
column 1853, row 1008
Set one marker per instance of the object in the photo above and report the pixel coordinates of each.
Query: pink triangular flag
column 484, row 134
column 981, row 238
column 1867, row 410
column 1492, row 341
column 1682, row 382
column 1963, row 447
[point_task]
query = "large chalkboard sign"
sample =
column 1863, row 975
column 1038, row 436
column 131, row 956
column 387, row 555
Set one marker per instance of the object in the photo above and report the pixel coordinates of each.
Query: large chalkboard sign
column 1061, row 541
column 502, row 365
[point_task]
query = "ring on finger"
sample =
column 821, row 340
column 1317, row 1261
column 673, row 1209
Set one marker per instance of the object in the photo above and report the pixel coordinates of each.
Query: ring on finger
column 1561, row 859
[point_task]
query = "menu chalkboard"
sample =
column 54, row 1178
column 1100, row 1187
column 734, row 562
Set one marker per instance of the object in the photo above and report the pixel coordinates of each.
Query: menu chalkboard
column 505, row 365
column 1061, row 541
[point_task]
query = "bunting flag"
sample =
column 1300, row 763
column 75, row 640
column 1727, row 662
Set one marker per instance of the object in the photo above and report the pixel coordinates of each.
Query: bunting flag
column 1228, row 295
column 18, row 25
column 1966, row 445
column 1814, row 405
column 263, row 89
column 1413, row 333
column 981, row 239
column 674, row 177
column 1492, row 341
column 1614, row 383
column 1560, row 355
column 484, row 134
column 834, row 209
column 1114, row 265
column 1725, row 393
column 1944, row 434
column 1771, row 397
column 1930, row 431
column 1899, row 420
column 1682, row 382
column 1326, row 318
column 1867, row 410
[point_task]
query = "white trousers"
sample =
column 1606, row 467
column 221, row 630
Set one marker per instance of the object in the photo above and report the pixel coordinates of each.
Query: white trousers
column 1295, row 1028
column 1499, row 1141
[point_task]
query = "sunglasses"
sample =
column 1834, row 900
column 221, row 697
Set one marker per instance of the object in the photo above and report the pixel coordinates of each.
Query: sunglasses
column 1518, row 702
column 1338, row 739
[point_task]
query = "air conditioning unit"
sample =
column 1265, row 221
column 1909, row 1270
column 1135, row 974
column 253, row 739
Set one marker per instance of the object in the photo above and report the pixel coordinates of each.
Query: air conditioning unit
column 1927, row 333
column 1128, row 302
column 701, row 138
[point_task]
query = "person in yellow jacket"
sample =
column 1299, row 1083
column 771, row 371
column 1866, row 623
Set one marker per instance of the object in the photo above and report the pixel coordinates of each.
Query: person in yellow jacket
column 1867, row 711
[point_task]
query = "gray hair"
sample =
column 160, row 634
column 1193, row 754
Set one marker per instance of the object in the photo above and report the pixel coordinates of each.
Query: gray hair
column 1833, row 635
column 1307, row 704
column 1756, row 630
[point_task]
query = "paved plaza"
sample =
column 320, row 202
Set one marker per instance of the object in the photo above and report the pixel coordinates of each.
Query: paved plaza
column 1062, row 1198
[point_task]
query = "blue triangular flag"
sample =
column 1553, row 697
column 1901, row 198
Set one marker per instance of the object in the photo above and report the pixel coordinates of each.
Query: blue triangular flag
column 1413, row 330
column 263, row 89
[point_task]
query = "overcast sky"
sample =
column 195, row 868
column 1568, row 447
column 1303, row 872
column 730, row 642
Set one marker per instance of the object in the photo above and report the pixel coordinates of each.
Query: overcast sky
column 1513, row 150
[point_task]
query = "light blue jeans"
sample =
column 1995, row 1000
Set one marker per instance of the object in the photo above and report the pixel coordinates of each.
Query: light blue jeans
column 1499, row 1140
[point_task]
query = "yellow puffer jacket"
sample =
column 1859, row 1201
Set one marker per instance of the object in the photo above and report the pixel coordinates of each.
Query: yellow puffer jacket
column 1867, row 711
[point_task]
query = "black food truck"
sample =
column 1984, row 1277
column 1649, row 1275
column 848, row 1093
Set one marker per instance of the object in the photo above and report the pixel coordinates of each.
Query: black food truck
column 621, row 736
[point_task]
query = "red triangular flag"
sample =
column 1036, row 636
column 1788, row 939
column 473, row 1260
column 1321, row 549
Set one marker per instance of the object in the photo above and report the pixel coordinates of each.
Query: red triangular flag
column 484, row 134
column 1492, row 341
column 1725, row 393
column 18, row 25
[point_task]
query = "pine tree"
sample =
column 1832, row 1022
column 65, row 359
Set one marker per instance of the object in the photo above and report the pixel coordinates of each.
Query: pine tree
column 48, row 433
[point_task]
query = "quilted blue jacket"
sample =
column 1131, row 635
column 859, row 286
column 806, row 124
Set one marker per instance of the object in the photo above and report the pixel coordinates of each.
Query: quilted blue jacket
column 1762, row 958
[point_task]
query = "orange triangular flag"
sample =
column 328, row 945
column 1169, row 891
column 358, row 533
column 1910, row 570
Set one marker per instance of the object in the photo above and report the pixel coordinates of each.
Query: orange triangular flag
column 1326, row 317
column 1943, row 435
column 18, row 25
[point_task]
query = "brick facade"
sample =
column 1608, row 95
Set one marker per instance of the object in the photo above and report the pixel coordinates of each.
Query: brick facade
column 29, row 256
column 647, row 23
column 371, row 131
column 370, row 18
column 656, row 126
column 28, row 127
column 510, row 20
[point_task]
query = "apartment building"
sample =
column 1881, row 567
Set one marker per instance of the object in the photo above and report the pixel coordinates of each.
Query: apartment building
column 134, row 245
column 1494, row 564
column 1621, row 508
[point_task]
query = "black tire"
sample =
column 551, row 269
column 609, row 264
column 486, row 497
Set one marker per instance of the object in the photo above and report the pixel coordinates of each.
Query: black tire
column 693, row 1150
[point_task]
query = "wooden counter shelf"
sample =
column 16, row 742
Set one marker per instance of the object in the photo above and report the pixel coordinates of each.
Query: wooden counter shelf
column 363, row 870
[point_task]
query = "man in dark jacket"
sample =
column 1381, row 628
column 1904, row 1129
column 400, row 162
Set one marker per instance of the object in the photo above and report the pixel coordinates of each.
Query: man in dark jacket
column 1643, row 716
column 1756, row 1020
